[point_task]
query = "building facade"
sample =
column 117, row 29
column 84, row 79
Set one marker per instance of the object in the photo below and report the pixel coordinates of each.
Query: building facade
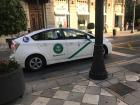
column 72, row 13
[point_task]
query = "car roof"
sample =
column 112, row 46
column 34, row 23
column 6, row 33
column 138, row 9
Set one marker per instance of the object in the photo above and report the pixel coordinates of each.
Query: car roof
column 45, row 29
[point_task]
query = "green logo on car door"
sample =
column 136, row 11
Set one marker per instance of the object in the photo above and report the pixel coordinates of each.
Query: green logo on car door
column 58, row 48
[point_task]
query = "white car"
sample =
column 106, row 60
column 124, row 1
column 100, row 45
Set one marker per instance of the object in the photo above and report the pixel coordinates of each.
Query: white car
column 48, row 46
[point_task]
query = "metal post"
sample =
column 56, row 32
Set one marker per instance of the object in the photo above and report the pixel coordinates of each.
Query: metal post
column 98, row 71
column 133, row 22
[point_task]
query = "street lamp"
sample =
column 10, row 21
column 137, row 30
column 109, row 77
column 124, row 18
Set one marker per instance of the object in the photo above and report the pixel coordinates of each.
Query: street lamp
column 133, row 22
column 98, row 71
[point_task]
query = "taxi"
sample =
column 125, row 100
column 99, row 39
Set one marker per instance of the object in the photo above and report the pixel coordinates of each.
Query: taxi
column 49, row 46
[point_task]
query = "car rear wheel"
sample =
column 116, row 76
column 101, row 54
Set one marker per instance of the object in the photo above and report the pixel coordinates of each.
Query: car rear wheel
column 35, row 62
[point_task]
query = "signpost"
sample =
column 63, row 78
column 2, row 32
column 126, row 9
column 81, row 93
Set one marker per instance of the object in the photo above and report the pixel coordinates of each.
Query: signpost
column 98, row 71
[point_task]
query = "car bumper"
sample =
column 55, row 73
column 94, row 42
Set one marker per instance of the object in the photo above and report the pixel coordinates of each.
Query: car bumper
column 20, row 62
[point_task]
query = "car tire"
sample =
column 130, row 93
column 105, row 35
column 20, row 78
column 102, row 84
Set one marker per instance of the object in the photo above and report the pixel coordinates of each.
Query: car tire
column 35, row 62
column 105, row 51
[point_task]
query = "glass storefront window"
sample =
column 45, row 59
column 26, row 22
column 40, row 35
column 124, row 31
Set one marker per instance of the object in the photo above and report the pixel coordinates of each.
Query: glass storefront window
column 61, row 21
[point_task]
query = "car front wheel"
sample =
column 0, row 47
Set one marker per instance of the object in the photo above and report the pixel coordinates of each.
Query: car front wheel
column 35, row 63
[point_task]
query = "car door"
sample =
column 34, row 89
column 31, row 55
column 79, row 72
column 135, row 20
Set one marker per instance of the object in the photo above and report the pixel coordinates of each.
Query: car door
column 72, row 44
column 78, row 45
column 52, row 45
column 87, row 45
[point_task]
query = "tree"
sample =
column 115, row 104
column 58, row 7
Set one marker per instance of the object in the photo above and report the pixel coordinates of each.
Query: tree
column 12, row 17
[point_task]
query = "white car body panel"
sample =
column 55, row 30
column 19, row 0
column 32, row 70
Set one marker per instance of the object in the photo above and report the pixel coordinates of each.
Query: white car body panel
column 72, row 49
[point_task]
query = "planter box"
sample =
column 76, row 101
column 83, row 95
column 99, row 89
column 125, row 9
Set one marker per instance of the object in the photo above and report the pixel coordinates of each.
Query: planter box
column 12, row 86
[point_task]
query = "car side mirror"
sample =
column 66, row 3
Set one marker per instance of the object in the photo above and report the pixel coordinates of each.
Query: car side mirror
column 87, row 37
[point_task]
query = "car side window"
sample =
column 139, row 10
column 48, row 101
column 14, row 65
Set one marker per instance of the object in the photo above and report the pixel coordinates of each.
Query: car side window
column 43, row 36
column 58, row 34
column 73, row 34
column 91, row 36
column 47, row 35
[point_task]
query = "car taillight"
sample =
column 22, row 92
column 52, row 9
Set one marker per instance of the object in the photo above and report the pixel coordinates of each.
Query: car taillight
column 14, row 45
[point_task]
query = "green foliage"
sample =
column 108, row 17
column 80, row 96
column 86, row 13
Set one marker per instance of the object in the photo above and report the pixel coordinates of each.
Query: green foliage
column 8, row 66
column 12, row 17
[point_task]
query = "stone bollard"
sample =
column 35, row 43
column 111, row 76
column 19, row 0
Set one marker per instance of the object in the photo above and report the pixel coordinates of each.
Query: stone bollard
column 114, row 32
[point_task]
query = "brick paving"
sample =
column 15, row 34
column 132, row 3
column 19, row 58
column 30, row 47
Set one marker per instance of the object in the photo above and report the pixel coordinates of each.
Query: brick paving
column 80, row 90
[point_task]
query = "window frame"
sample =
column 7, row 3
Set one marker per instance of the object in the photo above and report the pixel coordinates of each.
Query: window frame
column 53, row 31
column 73, row 36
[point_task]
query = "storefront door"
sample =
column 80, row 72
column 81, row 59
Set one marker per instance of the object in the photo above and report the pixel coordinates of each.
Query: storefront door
column 118, row 21
column 83, row 20
column 36, row 16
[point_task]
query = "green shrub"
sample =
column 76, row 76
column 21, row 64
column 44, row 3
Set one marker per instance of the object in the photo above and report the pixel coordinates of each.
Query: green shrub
column 12, row 17
column 7, row 66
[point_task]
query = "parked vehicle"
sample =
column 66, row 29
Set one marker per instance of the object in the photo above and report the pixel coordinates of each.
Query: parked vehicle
column 48, row 46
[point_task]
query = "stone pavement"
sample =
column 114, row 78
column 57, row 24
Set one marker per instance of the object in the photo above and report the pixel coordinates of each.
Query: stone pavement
column 122, row 33
column 122, row 87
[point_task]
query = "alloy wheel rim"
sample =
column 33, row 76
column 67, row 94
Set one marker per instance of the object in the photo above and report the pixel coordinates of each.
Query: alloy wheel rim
column 36, row 63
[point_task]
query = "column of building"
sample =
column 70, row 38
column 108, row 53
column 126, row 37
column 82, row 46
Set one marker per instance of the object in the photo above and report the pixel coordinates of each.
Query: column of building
column 109, row 15
column 73, row 13
column 91, row 5
column 26, row 9
column 119, row 14
column 50, row 14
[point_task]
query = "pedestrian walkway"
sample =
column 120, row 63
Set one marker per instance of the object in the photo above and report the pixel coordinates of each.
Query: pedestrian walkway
column 122, row 87
column 122, row 33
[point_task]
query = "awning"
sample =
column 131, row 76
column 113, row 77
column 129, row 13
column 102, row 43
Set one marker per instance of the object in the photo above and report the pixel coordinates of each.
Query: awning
column 61, row 9
column 82, row 9
column 61, row 13
column 82, row 13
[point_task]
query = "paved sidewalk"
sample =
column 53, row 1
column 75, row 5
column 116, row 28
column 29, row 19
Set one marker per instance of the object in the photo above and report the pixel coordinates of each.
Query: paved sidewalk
column 122, row 87
column 122, row 33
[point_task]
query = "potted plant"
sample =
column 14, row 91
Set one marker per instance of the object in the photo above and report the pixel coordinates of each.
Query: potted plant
column 12, row 83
